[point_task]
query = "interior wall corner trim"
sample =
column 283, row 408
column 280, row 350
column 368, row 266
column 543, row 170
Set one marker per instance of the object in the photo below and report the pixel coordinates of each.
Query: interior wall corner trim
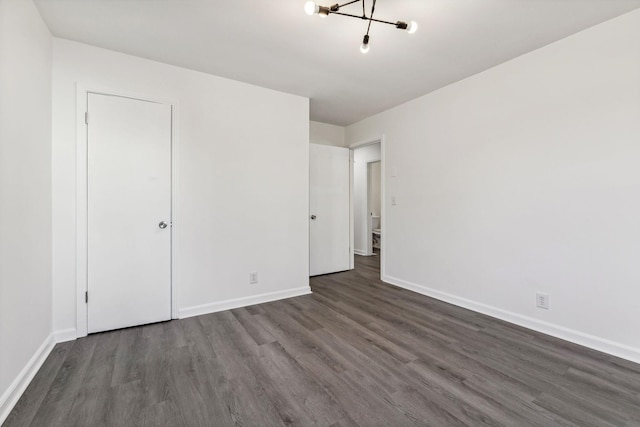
column 64, row 335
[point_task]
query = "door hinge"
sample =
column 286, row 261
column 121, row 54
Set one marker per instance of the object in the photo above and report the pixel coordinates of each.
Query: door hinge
column 86, row 297
column 86, row 118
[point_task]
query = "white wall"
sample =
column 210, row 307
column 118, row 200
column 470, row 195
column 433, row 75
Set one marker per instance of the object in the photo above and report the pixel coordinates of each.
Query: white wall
column 25, row 197
column 525, row 178
column 326, row 134
column 361, row 157
column 242, row 180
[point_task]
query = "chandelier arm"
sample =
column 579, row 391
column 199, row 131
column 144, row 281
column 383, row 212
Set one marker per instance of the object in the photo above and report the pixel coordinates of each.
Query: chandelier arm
column 373, row 9
column 383, row 22
column 363, row 17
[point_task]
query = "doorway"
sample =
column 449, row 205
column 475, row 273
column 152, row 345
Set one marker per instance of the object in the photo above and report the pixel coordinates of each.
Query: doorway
column 128, row 211
column 367, row 197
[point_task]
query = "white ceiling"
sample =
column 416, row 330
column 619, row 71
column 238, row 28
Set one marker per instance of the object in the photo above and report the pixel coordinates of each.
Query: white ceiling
column 274, row 44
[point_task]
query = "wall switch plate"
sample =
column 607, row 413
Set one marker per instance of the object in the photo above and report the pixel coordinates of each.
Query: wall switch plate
column 393, row 200
column 394, row 172
column 253, row 278
column 542, row 301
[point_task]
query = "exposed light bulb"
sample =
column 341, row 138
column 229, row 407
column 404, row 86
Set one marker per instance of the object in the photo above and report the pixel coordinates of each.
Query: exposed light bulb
column 412, row 27
column 364, row 47
column 310, row 8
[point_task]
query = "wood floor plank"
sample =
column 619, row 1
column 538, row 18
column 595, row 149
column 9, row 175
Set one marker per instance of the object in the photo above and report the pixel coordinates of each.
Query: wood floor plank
column 257, row 331
column 243, row 373
column 165, row 413
column 127, row 357
column 366, row 405
column 124, row 404
column 90, row 404
column 60, row 396
column 356, row 352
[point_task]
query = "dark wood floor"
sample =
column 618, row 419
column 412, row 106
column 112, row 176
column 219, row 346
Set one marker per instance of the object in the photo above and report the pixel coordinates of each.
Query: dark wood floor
column 356, row 352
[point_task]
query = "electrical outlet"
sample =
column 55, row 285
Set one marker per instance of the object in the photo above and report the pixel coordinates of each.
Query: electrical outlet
column 253, row 278
column 542, row 301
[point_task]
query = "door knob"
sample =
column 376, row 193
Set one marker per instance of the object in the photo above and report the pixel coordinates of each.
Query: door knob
column 313, row 217
column 162, row 225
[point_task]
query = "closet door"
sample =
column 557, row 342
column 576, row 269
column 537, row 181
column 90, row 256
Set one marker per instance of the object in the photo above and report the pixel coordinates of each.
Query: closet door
column 129, row 212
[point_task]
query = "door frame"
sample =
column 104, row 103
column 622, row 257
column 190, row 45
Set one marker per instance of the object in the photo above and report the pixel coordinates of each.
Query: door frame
column 352, row 258
column 82, row 96
column 382, row 140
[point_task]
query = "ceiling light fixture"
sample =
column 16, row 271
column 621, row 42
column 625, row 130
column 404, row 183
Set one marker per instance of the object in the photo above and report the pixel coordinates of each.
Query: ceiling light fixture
column 311, row 8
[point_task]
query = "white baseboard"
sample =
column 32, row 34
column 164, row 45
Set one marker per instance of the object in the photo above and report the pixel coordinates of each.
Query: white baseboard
column 360, row 252
column 64, row 335
column 198, row 310
column 11, row 396
column 610, row 347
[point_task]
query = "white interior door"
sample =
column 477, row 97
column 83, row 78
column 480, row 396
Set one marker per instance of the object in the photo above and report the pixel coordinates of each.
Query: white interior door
column 129, row 212
column 329, row 207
